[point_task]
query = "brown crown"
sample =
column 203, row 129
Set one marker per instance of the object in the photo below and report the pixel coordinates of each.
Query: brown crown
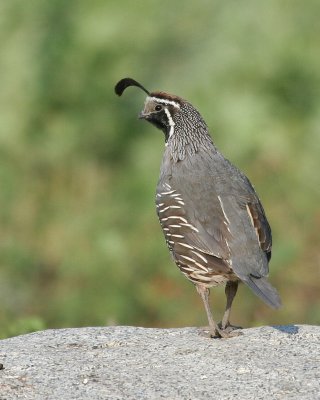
column 167, row 96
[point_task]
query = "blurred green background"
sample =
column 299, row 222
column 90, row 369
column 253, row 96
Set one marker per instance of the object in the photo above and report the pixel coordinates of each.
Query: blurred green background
column 80, row 241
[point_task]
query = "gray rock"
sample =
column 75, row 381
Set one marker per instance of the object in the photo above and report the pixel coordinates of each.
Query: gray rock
column 281, row 362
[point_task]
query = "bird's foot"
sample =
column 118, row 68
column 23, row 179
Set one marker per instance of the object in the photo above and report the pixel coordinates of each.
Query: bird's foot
column 231, row 331
column 225, row 333
column 219, row 333
column 229, row 328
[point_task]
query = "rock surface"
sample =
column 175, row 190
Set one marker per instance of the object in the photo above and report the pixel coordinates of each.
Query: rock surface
column 281, row 362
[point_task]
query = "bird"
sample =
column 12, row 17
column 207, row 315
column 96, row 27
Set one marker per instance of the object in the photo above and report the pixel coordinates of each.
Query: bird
column 212, row 218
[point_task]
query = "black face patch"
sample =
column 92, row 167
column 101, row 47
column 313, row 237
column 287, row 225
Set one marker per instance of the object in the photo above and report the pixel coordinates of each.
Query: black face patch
column 159, row 120
column 160, row 113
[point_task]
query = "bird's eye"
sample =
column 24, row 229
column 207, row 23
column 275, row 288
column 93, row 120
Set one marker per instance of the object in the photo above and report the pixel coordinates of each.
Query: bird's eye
column 158, row 107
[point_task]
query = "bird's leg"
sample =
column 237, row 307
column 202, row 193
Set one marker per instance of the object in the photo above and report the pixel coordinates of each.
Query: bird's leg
column 231, row 291
column 215, row 331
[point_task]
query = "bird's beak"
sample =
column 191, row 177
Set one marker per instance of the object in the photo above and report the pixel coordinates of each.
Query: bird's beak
column 143, row 115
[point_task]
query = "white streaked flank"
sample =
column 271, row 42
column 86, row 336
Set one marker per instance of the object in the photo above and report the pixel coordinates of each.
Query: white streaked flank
column 185, row 245
column 164, row 209
column 188, row 258
column 201, row 266
column 222, row 208
column 252, row 221
column 177, row 217
column 186, row 268
column 198, row 275
column 171, row 191
column 192, row 227
column 200, row 256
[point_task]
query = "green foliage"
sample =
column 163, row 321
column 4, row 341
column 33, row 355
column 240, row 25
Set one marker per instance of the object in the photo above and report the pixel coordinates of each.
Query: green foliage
column 80, row 242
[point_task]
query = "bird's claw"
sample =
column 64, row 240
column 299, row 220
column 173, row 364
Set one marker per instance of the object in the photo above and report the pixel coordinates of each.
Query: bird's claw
column 228, row 327
column 221, row 333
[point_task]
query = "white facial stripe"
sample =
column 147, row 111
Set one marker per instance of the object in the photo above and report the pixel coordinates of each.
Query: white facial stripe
column 163, row 101
column 171, row 122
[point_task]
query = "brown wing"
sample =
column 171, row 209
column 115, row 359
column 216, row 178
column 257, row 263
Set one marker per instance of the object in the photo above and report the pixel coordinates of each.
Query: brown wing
column 261, row 225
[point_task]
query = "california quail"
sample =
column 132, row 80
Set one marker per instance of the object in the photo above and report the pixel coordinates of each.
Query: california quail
column 211, row 217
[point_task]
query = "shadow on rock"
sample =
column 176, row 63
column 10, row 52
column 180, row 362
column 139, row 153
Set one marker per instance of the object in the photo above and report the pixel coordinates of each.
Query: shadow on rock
column 290, row 329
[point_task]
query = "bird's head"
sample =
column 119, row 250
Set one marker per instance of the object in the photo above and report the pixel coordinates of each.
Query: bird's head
column 160, row 109
column 184, row 129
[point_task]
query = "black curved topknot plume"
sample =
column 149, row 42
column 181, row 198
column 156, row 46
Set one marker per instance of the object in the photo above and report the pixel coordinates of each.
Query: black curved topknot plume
column 126, row 82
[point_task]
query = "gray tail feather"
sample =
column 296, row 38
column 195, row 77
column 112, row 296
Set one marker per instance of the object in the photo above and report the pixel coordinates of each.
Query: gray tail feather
column 264, row 290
